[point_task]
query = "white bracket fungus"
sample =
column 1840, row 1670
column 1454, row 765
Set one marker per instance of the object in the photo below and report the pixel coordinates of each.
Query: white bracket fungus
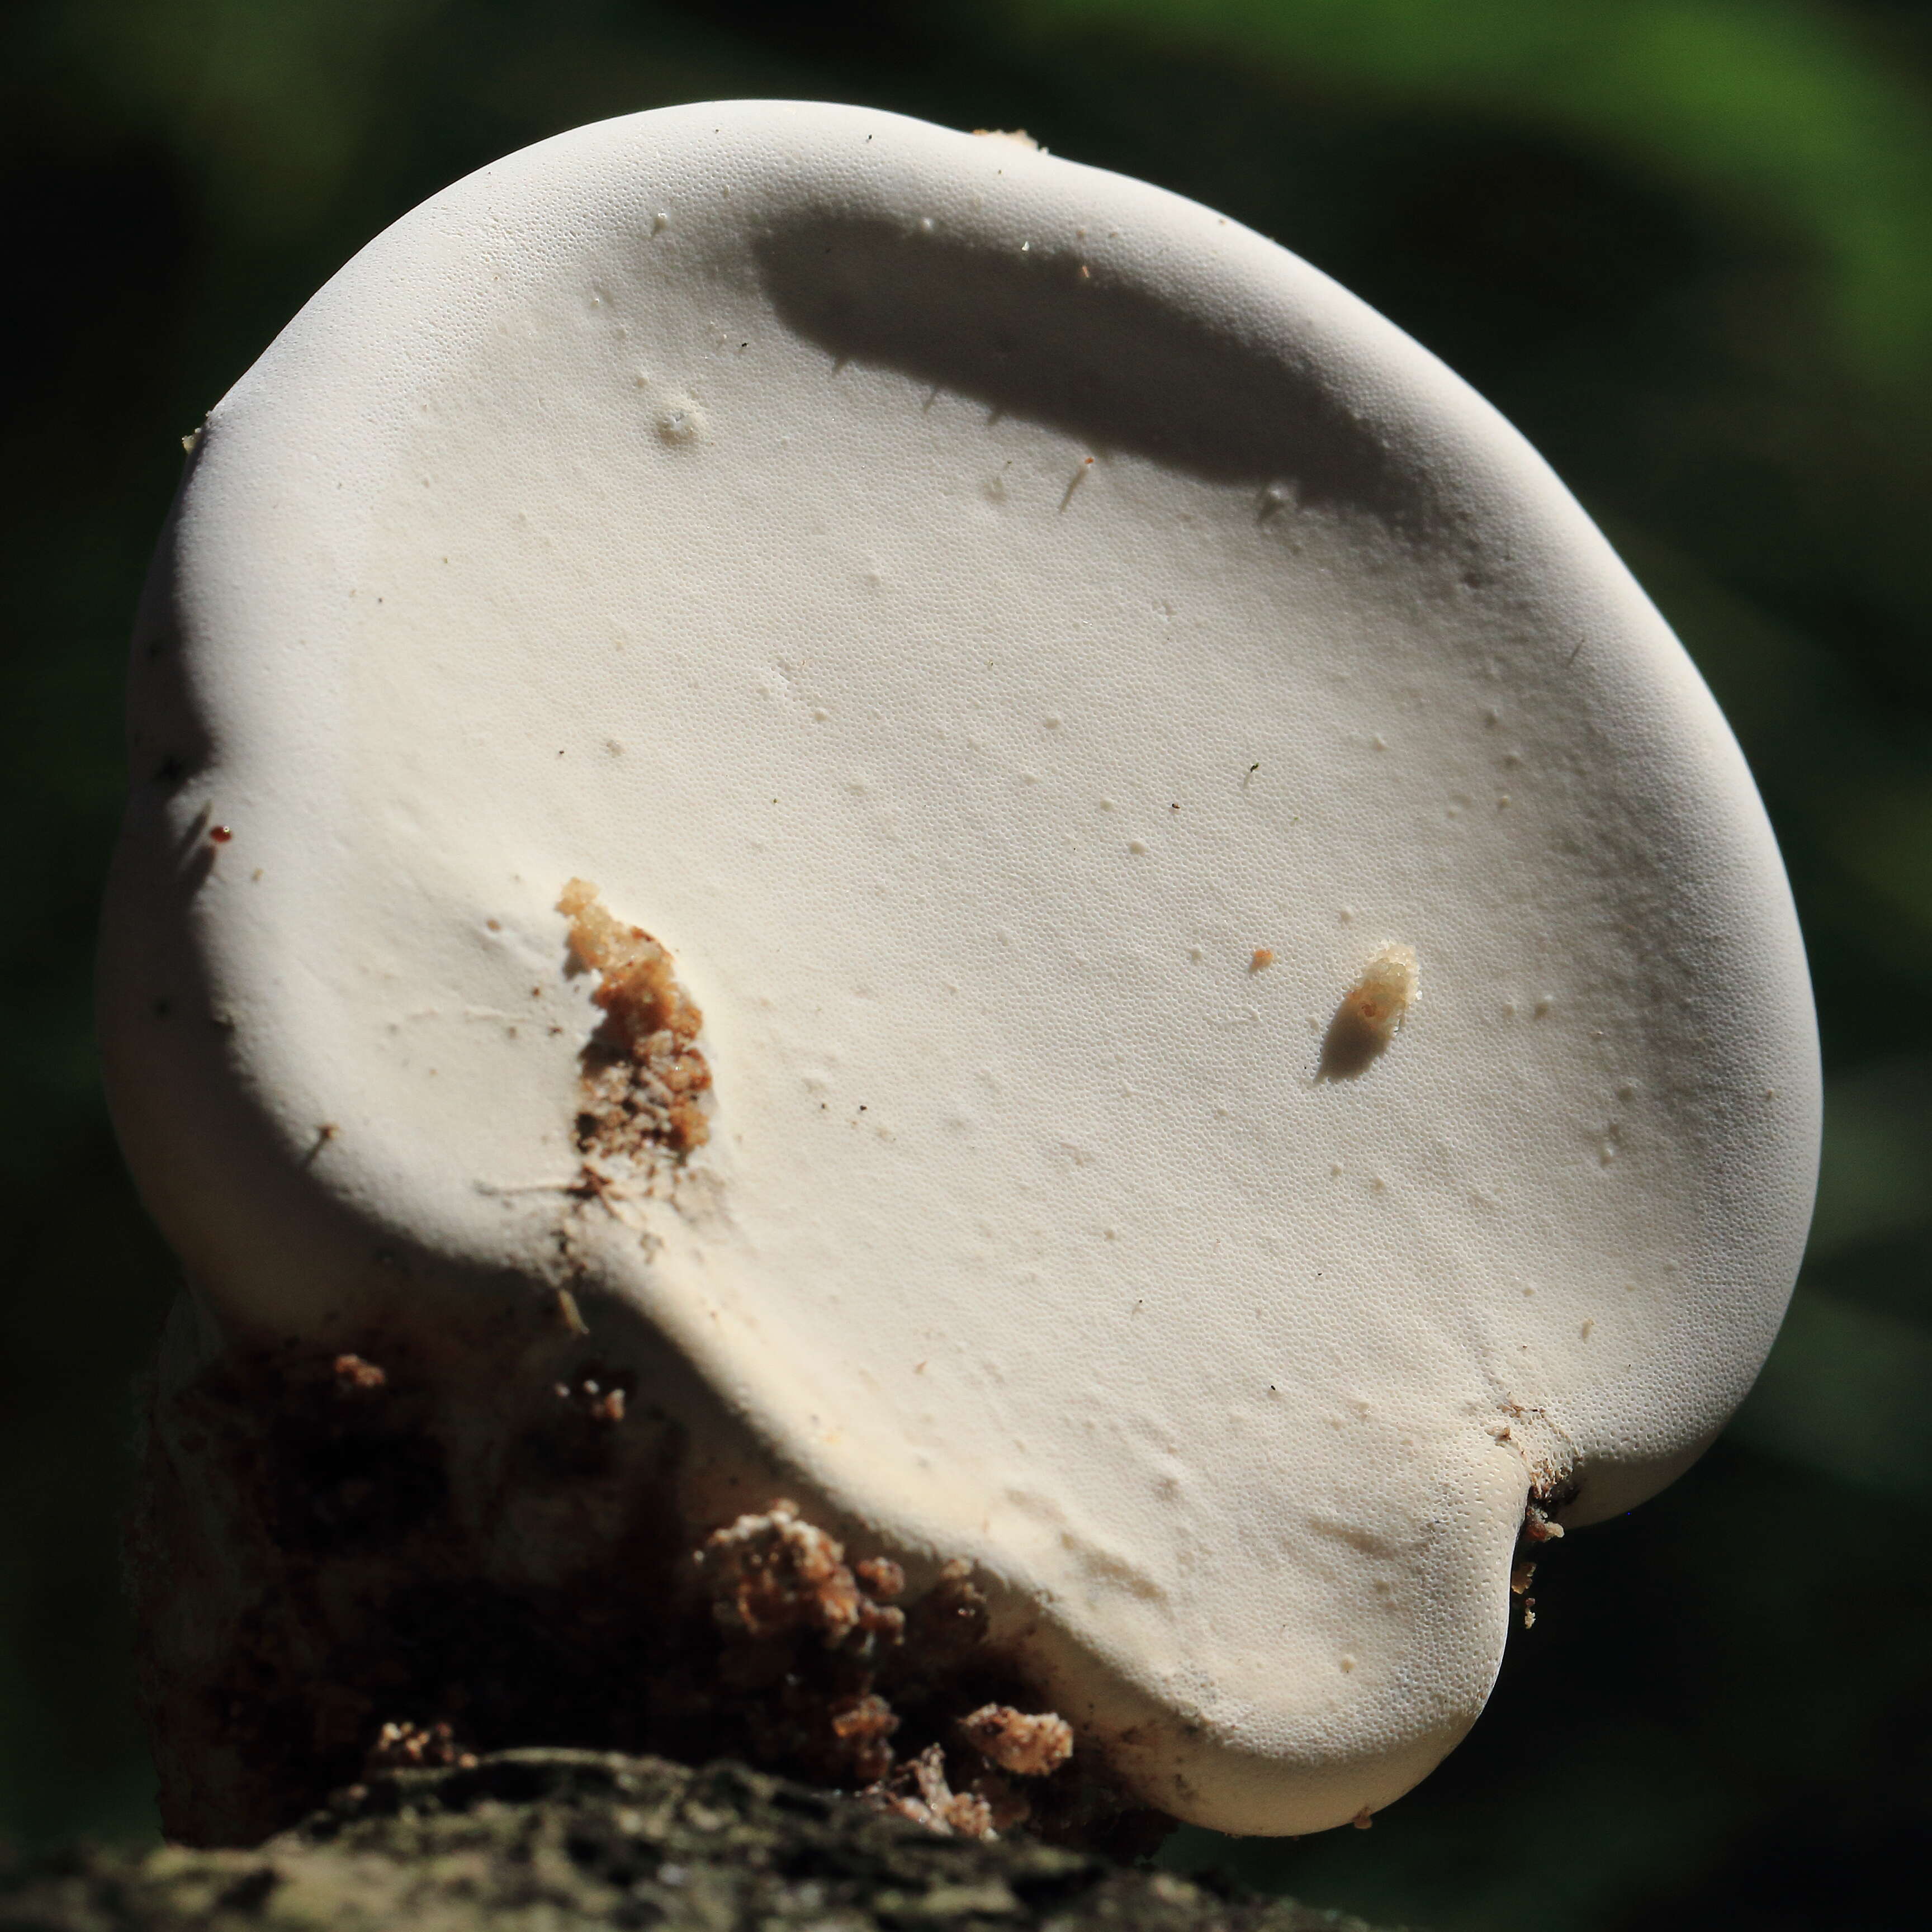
column 689, row 503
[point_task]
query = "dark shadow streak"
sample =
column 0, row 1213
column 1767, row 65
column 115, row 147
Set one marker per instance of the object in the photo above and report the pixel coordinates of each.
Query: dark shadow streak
column 1106, row 363
column 1352, row 1045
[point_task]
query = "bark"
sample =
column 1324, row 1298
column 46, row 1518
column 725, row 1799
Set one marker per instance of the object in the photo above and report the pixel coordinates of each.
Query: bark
column 548, row 1841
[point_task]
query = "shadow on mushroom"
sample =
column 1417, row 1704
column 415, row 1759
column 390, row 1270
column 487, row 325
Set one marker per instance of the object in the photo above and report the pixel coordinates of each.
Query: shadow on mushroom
column 1034, row 335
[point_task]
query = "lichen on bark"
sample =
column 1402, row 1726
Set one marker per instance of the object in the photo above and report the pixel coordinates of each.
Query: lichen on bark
column 549, row 1840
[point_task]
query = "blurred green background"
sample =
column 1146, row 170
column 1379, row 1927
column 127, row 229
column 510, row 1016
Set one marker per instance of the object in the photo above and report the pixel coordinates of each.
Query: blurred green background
column 1685, row 245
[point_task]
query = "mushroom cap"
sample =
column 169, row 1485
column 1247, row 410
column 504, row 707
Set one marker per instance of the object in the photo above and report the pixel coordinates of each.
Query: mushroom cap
column 971, row 609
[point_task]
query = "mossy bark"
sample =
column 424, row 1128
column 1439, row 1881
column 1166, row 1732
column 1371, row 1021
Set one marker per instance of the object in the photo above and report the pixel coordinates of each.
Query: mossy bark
column 551, row 1839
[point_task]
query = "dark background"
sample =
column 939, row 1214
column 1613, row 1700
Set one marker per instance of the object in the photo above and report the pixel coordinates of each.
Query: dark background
column 1685, row 245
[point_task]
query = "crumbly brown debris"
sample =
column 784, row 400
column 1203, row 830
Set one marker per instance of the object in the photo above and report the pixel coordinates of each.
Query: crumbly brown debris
column 763, row 1641
column 881, row 1576
column 802, row 1635
column 770, row 1574
column 817, row 1636
column 1027, row 1746
column 1548, row 1492
column 643, row 1071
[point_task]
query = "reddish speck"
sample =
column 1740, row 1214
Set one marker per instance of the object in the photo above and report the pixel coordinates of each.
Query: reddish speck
column 221, row 834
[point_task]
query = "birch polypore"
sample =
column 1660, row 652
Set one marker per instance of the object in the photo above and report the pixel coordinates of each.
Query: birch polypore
column 967, row 613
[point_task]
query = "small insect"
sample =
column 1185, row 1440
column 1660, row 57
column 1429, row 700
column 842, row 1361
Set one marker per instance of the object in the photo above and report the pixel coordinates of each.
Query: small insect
column 219, row 834
column 1381, row 997
column 1371, row 1012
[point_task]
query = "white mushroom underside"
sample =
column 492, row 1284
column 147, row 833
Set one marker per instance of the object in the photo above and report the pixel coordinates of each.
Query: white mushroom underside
column 701, row 503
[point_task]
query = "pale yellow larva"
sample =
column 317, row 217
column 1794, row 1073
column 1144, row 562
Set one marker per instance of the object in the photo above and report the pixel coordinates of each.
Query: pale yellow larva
column 1371, row 1011
column 1381, row 997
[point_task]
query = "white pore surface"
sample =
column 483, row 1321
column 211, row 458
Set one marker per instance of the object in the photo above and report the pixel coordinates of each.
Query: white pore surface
column 963, row 604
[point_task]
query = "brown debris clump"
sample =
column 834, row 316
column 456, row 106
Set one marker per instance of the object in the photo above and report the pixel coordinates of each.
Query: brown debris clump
column 801, row 1638
column 372, row 1626
column 644, row 1075
column 1548, row 1493
column 1021, row 1745
column 1537, row 1526
column 833, row 1661
column 1028, row 1747
column 774, row 1573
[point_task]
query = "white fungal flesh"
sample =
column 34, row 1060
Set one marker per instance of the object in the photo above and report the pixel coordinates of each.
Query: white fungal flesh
column 689, row 504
